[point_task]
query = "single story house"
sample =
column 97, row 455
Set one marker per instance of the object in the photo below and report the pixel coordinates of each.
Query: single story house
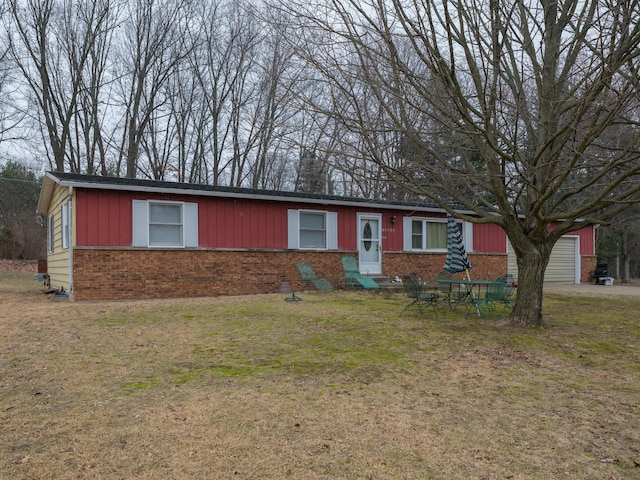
column 123, row 238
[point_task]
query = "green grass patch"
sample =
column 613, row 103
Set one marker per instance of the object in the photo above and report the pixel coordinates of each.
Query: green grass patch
column 132, row 388
column 112, row 322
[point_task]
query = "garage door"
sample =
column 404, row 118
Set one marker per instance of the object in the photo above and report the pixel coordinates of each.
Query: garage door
column 563, row 264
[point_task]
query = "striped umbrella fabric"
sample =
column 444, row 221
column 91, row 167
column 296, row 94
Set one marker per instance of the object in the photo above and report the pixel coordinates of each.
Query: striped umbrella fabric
column 457, row 260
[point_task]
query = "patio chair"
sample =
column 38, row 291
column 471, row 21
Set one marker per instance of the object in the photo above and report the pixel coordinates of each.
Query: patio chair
column 510, row 288
column 309, row 276
column 510, row 285
column 601, row 271
column 352, row 277
column 450, row 293
column 494, row 297
column 419, row 293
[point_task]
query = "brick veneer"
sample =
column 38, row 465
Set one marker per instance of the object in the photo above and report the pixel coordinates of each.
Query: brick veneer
column 428, row 264
column 110, row 274
column 588, row 264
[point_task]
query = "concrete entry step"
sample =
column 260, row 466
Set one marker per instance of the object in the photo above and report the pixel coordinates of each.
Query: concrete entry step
column 385, row 282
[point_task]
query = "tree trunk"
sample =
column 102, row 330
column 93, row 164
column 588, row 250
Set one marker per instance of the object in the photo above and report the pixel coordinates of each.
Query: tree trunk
column 624, row 253
column 532, row 262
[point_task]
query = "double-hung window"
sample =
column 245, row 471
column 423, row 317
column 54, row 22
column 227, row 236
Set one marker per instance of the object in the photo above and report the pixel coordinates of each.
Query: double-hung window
column 165, row 224
column 430, row 235
column 313, row 230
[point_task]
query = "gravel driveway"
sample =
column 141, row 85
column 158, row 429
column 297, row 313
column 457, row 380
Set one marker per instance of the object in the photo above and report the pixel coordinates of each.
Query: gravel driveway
column 628, row 289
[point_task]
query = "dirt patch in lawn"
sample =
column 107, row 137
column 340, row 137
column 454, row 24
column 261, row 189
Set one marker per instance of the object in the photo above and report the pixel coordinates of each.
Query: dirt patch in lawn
column 338, row 385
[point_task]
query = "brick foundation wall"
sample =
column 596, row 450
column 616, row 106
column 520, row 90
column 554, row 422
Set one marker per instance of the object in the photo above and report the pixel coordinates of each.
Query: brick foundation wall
column 588, row 264
column 112, row 274
column 128, row 274
column 428, row 265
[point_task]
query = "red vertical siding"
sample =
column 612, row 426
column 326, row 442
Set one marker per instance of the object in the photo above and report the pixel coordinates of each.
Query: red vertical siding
column 489, row 238
column 104, row 218
column 239, row 223
column 347, row 231
column 587, row 240
column 392, row 232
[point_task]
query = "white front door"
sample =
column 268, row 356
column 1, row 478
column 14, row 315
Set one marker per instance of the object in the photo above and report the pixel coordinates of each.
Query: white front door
column 369, row 243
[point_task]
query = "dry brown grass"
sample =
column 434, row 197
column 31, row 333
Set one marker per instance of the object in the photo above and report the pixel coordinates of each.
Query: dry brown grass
column 337, row 386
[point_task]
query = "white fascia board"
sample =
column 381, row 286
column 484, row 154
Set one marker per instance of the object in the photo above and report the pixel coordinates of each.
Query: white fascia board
column 46, row 192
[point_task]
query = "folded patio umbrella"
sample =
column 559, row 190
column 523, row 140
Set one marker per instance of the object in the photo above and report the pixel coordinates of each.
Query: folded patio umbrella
column 457, row 260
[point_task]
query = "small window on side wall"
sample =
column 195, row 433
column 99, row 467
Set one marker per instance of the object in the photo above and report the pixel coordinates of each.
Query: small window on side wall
column 50, row 233
column 165, row 224
column 66, row 224
column 312, row 230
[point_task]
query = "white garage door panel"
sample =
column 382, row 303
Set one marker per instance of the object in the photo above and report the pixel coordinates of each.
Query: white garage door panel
column 562, row 263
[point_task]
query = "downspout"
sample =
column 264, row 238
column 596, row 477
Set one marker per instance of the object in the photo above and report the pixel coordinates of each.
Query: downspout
column 71, row 240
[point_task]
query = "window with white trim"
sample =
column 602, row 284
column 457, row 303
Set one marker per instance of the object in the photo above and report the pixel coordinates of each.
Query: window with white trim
column 430, row 235
column 165, row 224
column 50, row 233
column 313, row 230
column 310, row 229
column 66, row 224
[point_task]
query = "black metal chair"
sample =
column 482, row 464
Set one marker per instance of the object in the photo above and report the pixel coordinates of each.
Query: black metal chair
column 601, row 271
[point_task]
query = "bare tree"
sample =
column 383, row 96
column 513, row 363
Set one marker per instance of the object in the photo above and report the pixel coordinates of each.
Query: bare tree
column 50, row 42
column 529, row 89
column 94, row 97
column 188, row 120
column 222, row 63
column 10, row 115
column 153, row 45
column 273, row 109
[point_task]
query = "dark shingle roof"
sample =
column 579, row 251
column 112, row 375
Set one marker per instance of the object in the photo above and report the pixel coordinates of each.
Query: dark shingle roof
column 134, row 184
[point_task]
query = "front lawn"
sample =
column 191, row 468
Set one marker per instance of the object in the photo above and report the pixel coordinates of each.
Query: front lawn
column 337, row 386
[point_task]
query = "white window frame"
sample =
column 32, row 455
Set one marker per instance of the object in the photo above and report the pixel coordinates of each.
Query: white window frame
column 466, row 230
column 179, row 224
column 330, row 224
column 51, row 223
column 65, row 229
column 142, row 225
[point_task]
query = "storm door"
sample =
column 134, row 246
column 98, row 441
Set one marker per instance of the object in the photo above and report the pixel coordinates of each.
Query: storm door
column 369, row 244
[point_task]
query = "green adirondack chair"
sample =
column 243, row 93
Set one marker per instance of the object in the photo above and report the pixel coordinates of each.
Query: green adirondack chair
column 309, row 276
column 352, row 277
